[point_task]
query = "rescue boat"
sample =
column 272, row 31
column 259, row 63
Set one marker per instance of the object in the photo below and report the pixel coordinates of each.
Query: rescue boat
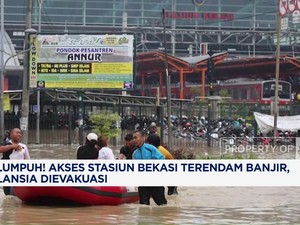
column 77, row 195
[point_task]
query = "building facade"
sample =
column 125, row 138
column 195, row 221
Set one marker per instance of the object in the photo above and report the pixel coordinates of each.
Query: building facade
column 240, row 27
column 245, row 27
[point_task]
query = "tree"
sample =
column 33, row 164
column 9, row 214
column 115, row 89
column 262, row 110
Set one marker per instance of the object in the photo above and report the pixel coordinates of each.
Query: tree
column 104, row 123
column 195, row 91
column 224, row 93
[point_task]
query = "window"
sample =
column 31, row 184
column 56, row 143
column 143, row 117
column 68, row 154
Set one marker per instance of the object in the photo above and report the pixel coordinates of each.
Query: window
column 269, row 90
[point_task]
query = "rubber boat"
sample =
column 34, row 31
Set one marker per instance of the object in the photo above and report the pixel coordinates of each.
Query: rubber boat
column 77, row 195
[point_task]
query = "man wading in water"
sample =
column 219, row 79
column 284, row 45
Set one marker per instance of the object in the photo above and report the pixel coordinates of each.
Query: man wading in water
column 13, row 149
column 147, row 151
column 154, row 139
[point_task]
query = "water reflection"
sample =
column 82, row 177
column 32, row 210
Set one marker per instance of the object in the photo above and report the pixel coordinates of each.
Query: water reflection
column 193, row 205
column 269, row 205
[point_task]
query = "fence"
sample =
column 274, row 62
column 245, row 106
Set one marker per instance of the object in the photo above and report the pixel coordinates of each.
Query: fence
column 60, row 127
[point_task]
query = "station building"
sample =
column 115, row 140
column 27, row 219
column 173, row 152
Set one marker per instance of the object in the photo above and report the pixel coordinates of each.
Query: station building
column 235, row 31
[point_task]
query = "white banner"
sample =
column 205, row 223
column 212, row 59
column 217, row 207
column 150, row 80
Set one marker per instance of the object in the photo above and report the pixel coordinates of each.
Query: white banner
column 296, row 16
column 150, row 173
column 265, row 122
column 284, row 23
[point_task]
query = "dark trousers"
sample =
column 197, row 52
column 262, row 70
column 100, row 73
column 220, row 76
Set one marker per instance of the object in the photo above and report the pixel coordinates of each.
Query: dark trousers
column 157, row 193
column 172, row 191
column 8, row 191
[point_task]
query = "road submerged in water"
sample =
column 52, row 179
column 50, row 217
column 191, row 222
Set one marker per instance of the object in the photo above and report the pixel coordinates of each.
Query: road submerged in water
column 193, row 205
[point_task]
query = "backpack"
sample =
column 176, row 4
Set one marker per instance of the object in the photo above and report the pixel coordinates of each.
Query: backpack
column 7, row 154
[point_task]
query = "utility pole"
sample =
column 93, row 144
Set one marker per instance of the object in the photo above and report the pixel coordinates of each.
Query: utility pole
column 25, row 91
column 2, row 73
column 277, row 77
column 168, row 83
column 38, row 93
column 80, row 116
column 210, row 72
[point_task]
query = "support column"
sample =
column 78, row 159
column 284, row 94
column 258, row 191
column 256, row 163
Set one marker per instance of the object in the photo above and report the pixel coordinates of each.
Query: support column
column 184, row 88
column 203, row 84
column 143, row 85
column 161, row 84
column 204, row 47
column 80, row 116
column 182, row 84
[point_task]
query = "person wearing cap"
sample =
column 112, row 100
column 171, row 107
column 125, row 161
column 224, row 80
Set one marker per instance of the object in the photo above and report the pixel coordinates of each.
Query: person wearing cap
column 152, row 128
column 154, row 139
column 88, row 150
column 127, row 150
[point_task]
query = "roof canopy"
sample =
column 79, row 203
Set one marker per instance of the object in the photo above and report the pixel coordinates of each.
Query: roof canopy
column 153, row 62
column 257, row 67
column 225, row 68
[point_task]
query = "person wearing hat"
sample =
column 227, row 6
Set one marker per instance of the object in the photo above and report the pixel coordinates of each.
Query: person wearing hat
column 152, row 128
column 127, row 150
column 88, row 150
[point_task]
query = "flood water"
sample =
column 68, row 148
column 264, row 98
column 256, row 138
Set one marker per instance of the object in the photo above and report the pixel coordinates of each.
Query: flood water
column 193, row 205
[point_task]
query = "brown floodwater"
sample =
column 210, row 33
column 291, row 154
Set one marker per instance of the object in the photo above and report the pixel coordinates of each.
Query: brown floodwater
column 193, row 205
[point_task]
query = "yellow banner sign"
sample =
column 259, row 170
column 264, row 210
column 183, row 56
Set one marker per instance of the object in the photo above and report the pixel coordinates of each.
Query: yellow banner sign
column 6, row 102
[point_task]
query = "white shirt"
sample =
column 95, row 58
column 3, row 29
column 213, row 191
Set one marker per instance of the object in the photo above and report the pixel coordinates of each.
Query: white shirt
column 20, row 154
column 106, row 153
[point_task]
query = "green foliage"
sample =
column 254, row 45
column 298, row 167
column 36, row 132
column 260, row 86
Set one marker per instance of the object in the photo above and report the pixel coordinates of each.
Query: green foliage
column 239, row 156
column 195, row 91
column 231, row 156
column 104, row 123
column 188, row 154
column 224, row 93
column 183, row 154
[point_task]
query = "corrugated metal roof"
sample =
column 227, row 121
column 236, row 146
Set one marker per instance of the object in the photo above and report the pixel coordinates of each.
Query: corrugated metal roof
column 196, row 59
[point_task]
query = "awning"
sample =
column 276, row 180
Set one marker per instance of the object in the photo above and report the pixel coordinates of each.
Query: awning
column 265, row 122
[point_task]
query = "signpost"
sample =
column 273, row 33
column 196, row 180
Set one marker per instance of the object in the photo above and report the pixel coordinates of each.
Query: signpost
column 284, row 7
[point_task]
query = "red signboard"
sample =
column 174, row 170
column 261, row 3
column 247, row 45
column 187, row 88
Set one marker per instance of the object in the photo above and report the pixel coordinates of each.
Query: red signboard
column 198, row 2
column 288, row 6
column 197, row 15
